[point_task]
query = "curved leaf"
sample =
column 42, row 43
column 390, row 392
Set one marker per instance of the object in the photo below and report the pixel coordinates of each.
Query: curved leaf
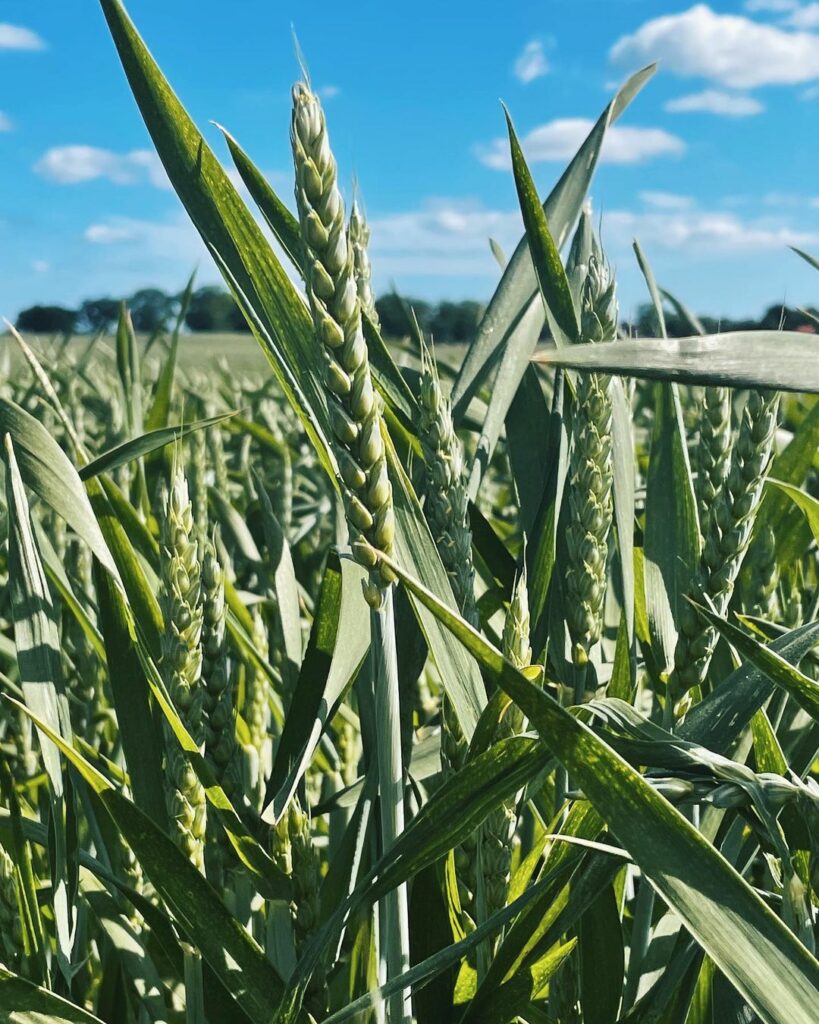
column 780, row 360
column 749, row 944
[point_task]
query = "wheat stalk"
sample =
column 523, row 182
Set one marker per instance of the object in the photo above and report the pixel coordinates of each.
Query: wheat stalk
column 355, row 415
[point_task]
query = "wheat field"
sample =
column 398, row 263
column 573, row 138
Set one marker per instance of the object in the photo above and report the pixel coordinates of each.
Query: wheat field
column 353, row 679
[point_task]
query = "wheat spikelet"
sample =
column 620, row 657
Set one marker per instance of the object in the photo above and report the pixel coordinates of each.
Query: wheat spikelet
column 446, row 510
column 446, row 504
column 294, row 851
column 590, row 472
column 217, row 678
column 182, row 664
column 498, row 833
column 218, row 459
column 713, row 449
column 359, row 235
column 333, row 295
column 727, row 535
column 256, row 712
column 764, row 577
column 199, row 480
column 11, row 936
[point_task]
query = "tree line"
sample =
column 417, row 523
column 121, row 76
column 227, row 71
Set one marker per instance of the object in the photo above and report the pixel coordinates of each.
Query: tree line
column 211, row 308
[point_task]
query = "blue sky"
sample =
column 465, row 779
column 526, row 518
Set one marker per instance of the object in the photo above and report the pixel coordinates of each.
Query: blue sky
column 714, row 167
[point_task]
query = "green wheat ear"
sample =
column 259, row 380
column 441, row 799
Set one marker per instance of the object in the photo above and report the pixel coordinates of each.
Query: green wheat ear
column 332, row 291
column 727, row 534
column 182, row 663
column 713, row 450
column 590, row 470
column 498, row 835
column 359, row 236
column 217, row 677
column 11, row 934
column 446, row 503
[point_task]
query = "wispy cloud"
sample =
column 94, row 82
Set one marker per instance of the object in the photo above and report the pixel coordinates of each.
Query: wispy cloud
column 726, row 48
column 806, row 17
column 772, row 6
column 531, row 63
column 329, row 92
column 703, row 231
column 40, row 266
column 15, row 37
column 666, row 200
column 449, row 236
column 442, row 237
column 173, row 239
column 714, row 101
column 559, row 140
column 5, row 122
column 73, row 165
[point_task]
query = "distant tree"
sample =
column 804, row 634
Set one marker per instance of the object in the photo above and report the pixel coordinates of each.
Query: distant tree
column 212, row 309
column 98, row 315
column 237, row 320
column 48, row 320
column 455, row 321
column 151, row 309
column 392, row 311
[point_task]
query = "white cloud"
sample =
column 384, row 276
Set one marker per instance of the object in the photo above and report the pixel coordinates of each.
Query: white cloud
column 702, row 232
column 810, row 93
column 175, row 236
column 726, row 48
column 714, row 101
column 774, row 6
column 329, row 92
column 559, row 141
column 666, row 200
column 71, row 165
column 804, row 17
column 40, row 266
column 110, row 233
column 448, row 237
column 5, row 122
column 15, row 37
column 444, row 237
column 531, row 62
